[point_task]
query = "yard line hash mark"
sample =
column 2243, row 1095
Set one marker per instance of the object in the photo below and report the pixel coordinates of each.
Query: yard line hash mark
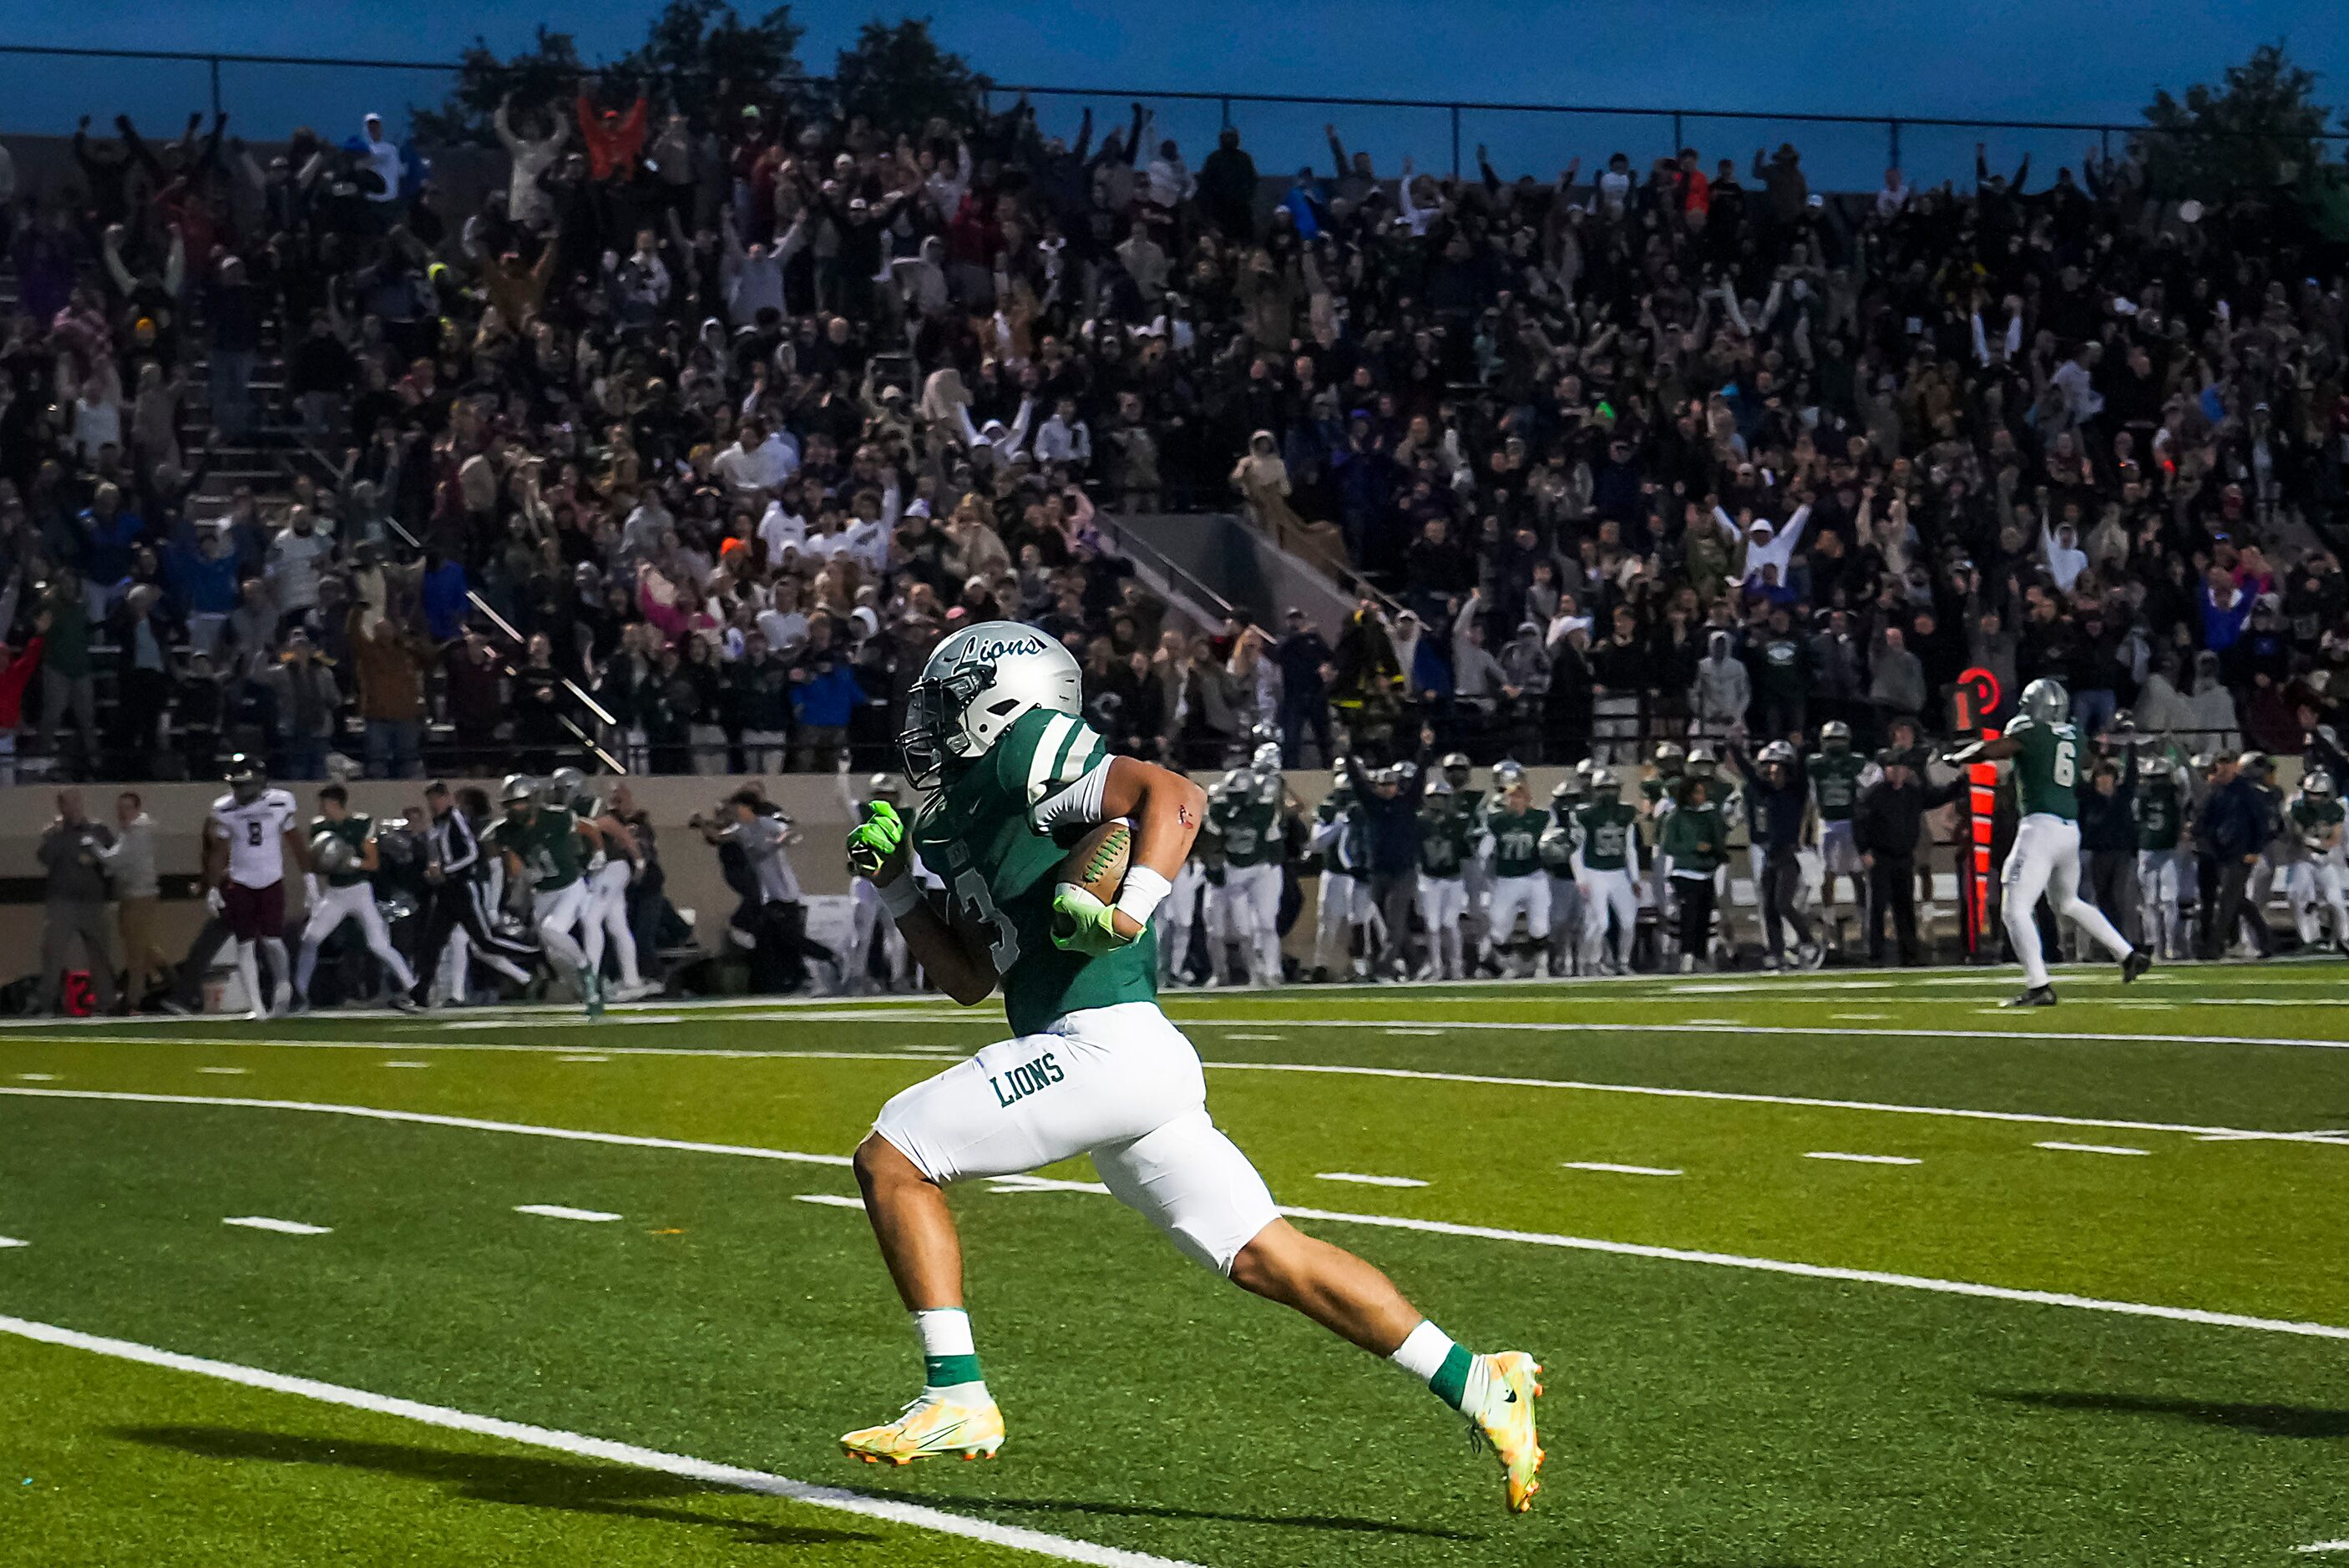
column 1399, row 1031
column 580, row 1445
column 582, row 1058
column 2058, row 1144
column 1862, row 1158
column 225, row 1071
column 560, row 1211
column 38, row 1078
column 12, row 1241
column 283, row 1227
column 1432, row 1227
column 834, row 1200
column 1613, row 1169
column 407, row 1064
column 1361, row 1180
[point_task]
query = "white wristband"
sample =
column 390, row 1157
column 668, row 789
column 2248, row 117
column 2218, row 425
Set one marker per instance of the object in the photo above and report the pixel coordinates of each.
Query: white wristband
column 1139, row 893
column 900, row 897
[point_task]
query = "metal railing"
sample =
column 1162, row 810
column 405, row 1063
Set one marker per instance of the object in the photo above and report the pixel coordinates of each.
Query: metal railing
column 1845, row 151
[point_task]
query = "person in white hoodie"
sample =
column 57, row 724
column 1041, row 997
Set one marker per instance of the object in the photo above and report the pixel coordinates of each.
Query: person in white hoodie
column 1064, row 437
column 993, row 442
column 1766, row 544
column 527, row 203
column 1723, row 690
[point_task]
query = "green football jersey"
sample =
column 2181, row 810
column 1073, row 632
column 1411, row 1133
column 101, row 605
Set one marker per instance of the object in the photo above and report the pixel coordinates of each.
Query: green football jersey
column 1447, row 836
column 2160, row 816
column 2313, row 821
column 352, row 829
column 1516, row 842
column 1249, row 827
column 980, row 834
column 1609, row 830
column 547, row 844
column 2047, row 768
column 1835, row 783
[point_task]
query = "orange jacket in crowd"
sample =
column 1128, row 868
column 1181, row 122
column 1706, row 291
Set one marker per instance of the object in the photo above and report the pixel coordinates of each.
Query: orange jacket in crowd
column 613, row 142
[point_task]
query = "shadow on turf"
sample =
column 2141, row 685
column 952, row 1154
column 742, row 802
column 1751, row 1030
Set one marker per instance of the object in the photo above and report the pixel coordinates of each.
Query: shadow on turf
column 515, row 1479
column 1150, row 1511
column 2264, row 1420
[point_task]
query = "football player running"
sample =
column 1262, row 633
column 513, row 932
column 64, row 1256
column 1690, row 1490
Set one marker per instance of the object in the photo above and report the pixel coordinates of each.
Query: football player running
column 2314, row 816
column 342, row 887
column 1012, row 776
column 2045, row 857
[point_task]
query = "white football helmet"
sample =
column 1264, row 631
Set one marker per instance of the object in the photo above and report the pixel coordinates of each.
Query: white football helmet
column 977, row 685
column 1267, row 759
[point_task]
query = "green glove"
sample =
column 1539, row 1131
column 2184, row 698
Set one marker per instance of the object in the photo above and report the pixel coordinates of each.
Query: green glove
column 875, row 841
column 1083, row 923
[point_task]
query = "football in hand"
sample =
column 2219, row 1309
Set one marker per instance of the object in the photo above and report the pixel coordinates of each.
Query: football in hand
column 1098, row 862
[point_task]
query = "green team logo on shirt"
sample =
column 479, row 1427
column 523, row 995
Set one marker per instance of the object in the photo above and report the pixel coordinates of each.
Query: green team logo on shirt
column 352, row 829
column 1446, row 836
column 1516, row 842
column 2158, row 819
column 2314, row 821
column 1607, row 830
column 2046, row 769
column 1249, row 829
column 977, row 834
column 1835, row 783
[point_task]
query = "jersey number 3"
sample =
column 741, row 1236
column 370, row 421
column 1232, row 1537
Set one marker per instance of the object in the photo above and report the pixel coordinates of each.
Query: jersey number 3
column 970, row 891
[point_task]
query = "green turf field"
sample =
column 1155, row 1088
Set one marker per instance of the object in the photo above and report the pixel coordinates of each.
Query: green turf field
column 2073, row 1293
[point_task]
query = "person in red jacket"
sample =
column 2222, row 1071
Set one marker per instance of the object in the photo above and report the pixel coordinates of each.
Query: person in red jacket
column 612, row 140
column 15, row 673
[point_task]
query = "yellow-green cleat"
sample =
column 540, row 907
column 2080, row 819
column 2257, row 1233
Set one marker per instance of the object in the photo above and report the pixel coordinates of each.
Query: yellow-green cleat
column 929, row 1427
column 1502, row 1390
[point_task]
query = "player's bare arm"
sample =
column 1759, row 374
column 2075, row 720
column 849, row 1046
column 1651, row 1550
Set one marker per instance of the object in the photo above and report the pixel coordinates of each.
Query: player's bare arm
column 1166, row 811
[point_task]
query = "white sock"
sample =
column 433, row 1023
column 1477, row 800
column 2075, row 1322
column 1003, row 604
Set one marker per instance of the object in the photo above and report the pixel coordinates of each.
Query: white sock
column 950, row 1357
column 1428, row 1354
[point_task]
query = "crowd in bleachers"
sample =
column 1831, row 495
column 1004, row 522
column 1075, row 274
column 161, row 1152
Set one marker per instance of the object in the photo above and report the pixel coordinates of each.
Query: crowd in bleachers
column 681, row 449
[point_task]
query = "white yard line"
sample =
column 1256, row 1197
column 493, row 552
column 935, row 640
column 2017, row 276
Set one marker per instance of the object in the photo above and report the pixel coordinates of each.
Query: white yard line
column 563, row 1211
column 1446, row 1025
column 12, row 1241
column 425, row 1119
column 1613, row 1169
column 603, row 1449
column 1431, row 1227
column 2089, row 1148
column 282, row 1227
column 1819, row 1271
column 833, row 1200
column 1861, row 1158
column 2326, row 1546
column 1360, row 1180
column 1805, row 1101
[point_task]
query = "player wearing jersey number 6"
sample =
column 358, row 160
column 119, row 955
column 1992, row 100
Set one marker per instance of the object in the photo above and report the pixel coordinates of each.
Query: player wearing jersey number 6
column 1013, row 776
column 2046, row 853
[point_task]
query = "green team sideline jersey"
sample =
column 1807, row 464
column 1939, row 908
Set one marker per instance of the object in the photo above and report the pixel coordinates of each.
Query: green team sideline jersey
column 353, row 830
column 2313, row 821
column 1447, row 835
column 1607, row 828
column 979, row 835
column 1516, row 842
column 2160, row 817
column 2047, row 768
column 547, row 844
column 1249, row 827
column 1835, row 783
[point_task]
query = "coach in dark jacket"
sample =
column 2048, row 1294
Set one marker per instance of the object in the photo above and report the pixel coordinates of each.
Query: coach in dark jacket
column 2230, row 829
column 1884, row 824
column 2108, row 837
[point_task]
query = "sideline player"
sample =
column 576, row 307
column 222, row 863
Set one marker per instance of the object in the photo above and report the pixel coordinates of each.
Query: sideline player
column 1610, row 833
column 247, row 839
column 606, row 921
column 1095, row 1067
column 866, row 924
column 544, row 843
column 1512, row 846
column 344, row 889
column 1447, row 845
column 2316, row 816
column 1834, row 769
column 2045, row 856
column 1246, row 819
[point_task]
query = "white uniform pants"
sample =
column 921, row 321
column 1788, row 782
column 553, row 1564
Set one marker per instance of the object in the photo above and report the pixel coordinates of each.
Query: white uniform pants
column 1177, row 916
column 556, row 913
column 1609, row 901
column 607, row 919
column 2045, row 859
column 1566, row 919
column 1442, row 905
column 1248, row 913
column 1119, row 1083
column 1513, row 896
column 2312, row 879
column 1337, row 911
column 869, row 924
column 333, row 906
column 2158, row 874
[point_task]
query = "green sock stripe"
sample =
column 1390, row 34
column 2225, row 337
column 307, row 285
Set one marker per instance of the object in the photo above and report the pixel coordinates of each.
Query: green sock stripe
column 945, row 1371
column 1451, row 1380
